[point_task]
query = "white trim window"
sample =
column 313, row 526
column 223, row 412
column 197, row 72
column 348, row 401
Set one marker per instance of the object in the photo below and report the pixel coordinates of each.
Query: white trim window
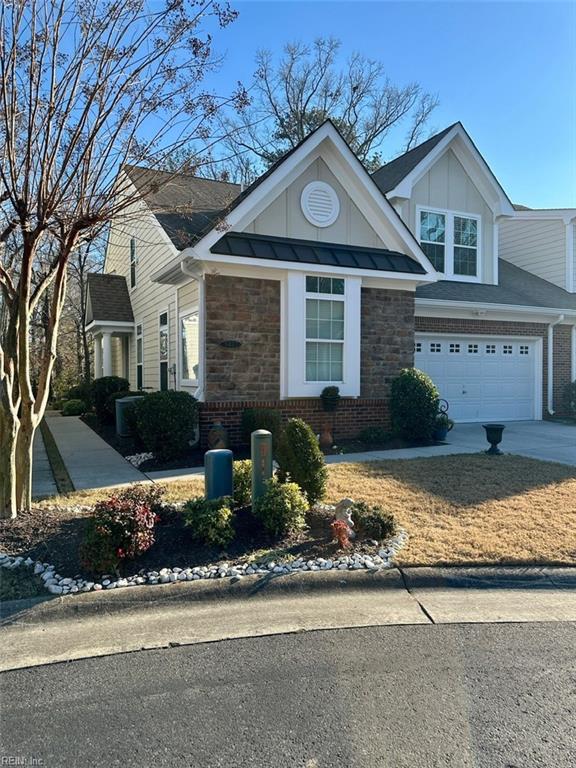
column 189, row 347
column 451, row 241
column 324, row 329
column 321, row 327
column 139, row 357
column 163, row 348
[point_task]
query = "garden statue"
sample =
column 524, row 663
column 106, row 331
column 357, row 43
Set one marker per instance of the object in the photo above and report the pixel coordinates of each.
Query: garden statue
column 343, row 513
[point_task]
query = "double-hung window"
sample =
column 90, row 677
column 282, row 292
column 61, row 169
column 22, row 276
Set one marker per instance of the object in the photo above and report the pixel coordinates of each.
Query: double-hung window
column 324, row 329
column 451, row 241
column 189, row 347
column 132, row 262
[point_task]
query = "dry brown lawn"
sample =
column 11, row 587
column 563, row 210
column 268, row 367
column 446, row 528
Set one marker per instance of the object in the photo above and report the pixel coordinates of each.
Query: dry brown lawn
column 457, row 509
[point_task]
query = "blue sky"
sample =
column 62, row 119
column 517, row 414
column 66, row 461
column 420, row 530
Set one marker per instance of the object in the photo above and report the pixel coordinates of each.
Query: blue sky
column 506, row 70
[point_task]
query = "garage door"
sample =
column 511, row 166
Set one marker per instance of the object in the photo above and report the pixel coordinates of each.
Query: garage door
column 482, row 378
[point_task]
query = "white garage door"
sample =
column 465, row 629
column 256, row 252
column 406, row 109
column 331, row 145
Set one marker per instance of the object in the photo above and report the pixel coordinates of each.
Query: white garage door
column 483, row 378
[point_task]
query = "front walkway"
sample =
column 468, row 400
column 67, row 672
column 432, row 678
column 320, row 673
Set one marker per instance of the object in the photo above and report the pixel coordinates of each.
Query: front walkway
column 90, row 461
column 43, row 483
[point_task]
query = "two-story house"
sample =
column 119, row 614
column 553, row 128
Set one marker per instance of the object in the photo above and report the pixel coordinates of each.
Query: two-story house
column 320, row 274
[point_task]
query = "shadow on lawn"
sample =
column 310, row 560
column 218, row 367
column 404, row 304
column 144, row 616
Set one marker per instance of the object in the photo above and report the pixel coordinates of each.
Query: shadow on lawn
column 467, row 480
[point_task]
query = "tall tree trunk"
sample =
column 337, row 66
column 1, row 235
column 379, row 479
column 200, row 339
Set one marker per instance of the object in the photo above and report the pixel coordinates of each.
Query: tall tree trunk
column 8, row 437
column 24, row 444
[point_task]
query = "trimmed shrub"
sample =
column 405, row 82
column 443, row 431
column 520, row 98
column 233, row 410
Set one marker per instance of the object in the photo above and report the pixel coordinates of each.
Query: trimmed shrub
column 414, row 403
column 102, row 389
column 210, row 520
column 300, row 459
column 242, row 479
column 166, row 422
column 374, row 435
column 282, row 508
column 373, row 522
column 82, row 391
column 262, row 418
column 73, row 408
column 121, row 528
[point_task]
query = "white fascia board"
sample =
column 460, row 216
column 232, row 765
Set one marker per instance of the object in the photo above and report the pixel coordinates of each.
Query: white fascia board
column 375, row 202
column 487, row 311
column 312, row 269
column 468, row 155
column 109, row 326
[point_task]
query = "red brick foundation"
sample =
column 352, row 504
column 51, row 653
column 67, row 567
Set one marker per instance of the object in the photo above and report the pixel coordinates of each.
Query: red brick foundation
column 351, row 417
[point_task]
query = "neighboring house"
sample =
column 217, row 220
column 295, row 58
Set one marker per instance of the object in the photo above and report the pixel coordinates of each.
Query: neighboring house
column 319, row 274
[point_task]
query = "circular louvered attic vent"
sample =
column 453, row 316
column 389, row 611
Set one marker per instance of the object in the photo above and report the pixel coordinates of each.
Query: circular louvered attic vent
column 320, row 204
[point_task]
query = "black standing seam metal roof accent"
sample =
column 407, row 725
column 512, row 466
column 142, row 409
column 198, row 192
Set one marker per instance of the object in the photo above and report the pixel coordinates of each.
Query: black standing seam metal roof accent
column 244, row 244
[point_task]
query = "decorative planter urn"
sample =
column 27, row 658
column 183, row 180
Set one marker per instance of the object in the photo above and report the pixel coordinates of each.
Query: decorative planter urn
column 494, row 437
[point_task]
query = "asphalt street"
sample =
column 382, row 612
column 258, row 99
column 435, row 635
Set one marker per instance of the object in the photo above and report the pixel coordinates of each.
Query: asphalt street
column 493, row 695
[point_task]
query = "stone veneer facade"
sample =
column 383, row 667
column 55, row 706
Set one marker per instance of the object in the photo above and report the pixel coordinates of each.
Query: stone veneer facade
column 247, row 310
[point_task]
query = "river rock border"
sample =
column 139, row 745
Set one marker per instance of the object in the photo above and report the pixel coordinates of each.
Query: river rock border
column 57, row 584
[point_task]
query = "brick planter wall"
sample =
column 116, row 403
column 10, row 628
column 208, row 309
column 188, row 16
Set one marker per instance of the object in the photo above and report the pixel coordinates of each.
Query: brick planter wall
column 562, row 352
column 352, row 416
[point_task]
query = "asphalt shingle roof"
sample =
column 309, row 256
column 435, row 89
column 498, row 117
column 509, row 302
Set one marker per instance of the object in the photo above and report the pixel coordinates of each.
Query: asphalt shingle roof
column 391, row 174
column 108, row 299
column 186, row 206
column 516, row 287
column 313, row 252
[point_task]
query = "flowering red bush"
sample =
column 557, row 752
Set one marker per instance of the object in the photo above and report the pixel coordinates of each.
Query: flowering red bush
column 122, row 528
column 341, row 533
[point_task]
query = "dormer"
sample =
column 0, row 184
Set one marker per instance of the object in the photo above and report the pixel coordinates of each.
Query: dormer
column 447, row 195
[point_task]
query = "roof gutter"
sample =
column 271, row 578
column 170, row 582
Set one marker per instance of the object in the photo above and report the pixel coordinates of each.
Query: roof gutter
column 550, row 392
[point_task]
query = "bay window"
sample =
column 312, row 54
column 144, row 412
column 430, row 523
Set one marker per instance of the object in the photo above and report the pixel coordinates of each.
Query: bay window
column 451, row 242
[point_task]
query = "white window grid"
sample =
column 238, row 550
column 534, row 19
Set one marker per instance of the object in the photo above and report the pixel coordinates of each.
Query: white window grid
column 450, row 244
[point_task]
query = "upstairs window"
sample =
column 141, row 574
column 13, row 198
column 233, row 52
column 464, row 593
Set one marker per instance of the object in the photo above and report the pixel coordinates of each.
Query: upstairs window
column 451, row 243
column 132, row 262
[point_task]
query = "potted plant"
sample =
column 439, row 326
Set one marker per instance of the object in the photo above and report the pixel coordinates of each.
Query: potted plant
column 330, row 397
column 442, row 426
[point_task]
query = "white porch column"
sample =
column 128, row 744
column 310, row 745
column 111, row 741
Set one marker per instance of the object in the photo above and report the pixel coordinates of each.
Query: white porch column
column 106, row 354
column 97, row 356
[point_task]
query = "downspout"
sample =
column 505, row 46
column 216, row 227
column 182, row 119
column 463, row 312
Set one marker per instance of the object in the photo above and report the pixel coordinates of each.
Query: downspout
column 550, row 398
column 196, row 275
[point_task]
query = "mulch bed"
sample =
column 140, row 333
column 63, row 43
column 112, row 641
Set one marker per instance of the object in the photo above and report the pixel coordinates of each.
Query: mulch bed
column 54, row 536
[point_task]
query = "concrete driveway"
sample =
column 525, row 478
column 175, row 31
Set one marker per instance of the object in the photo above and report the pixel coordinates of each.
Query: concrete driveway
column 546, row 440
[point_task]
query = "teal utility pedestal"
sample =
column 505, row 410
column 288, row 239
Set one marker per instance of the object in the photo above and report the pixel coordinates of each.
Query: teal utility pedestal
column 261, row 452
column 218, row 480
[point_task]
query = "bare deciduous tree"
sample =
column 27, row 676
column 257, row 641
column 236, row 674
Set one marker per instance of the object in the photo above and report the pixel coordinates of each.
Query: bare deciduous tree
column 292, row 97
column 85, row 87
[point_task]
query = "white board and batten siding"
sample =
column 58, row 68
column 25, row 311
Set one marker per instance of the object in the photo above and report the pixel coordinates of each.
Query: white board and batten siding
column 148, row 299
column 484, row 378
column 538, row 246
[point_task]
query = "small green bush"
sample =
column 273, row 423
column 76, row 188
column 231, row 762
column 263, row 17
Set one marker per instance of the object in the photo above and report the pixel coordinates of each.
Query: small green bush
column 242, row 479
column 373, row 522
column 414, row 403
column 100, row 392
column 374, row 435
column 300, row 459
column 330, row 397
column 166, row 422
column 210, row 521
column 73, row 408
column 282, row 508
column 82, row 391
column 262, row 418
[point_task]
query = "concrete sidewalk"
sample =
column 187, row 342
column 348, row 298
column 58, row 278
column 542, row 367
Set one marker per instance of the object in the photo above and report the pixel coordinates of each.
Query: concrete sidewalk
column 43, row 483
column 98, row 624
column 90, row 461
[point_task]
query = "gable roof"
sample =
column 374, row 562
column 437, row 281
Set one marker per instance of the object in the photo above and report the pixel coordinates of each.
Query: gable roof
column 391, row 174
column 185, row 205
column 108, row 299
column 314, row 252
column 516, row 286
